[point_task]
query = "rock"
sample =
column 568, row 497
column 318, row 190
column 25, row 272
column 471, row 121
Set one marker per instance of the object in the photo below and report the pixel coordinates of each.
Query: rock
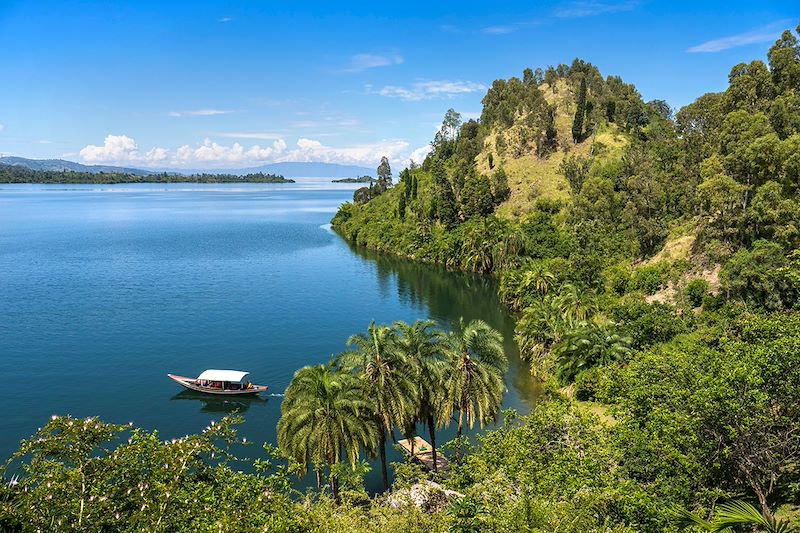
column 426, row 495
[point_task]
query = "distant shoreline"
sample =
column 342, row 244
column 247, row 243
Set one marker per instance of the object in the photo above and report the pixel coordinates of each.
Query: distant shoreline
column 21, row 175
column 362, row 179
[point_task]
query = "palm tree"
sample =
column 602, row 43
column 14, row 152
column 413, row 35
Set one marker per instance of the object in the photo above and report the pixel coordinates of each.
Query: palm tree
column 474, row 379
column 575, row 303
column 538, row 278
column 388, row 382
column 541, row 326
column 324, row 415
column 588, row 345
column 732, row 514
column 423, row 349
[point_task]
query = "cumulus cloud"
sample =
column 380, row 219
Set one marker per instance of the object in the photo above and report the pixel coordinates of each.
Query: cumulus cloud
column 759, row 35
column 367, row 154
column 427, row 90
column 115, row 148
column 226, row 19
column 362, row 62
column 121, row 149
column 200, row 113
column 419, row 155
column 2, row 127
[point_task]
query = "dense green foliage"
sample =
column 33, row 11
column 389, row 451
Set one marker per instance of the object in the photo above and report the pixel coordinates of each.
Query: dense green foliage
column 20, row 174
column 631, row 281
column 706, row 418
column 721, row 177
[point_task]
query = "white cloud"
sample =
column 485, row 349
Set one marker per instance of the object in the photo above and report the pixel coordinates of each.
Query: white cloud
column 590, row 8
column 368, row 154
column 758, row 35
column 418, row 155
column 226, row 19
column 214, row 153
column 115, row 148
column 362, row 62
column 123, row 150
column 2, row 127
column 200, row 113
column 426, row 90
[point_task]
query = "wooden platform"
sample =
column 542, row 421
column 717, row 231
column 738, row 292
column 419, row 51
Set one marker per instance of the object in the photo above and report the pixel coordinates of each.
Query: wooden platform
column 422, row 452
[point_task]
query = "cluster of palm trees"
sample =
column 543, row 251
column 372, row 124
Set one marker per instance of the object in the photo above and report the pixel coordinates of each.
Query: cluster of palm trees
column 561, row 328
column 393, row 378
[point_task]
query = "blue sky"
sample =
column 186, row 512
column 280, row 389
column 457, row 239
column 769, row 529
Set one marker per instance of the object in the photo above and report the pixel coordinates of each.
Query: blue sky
column 234, row 84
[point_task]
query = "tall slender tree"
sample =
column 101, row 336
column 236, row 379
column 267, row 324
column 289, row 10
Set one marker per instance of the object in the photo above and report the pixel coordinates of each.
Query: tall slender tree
column 474, row 378
column 580, row 112
column 324, row 416
column 384, row 174
column 388, row 382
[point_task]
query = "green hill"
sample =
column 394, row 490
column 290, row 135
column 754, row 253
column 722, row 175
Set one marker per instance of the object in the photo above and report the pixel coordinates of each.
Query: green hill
column 571, row 186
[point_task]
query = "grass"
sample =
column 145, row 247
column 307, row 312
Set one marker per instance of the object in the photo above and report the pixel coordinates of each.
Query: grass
column 531, row 177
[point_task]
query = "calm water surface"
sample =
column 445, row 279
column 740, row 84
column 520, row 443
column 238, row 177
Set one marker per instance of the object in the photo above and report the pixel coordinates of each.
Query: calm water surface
column 105, row 289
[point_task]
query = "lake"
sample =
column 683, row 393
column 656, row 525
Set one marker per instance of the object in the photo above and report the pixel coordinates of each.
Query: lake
column 104, row 289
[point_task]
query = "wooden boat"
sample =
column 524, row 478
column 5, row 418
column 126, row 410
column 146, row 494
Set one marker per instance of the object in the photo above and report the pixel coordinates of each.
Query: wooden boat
column 220, row 382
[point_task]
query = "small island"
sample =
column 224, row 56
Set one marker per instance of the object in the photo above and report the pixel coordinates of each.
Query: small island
column 362, row 179
column 20, row 174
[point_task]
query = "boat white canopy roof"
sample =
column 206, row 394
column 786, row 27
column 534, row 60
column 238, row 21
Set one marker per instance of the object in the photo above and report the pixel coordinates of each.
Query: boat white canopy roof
column 234, row 376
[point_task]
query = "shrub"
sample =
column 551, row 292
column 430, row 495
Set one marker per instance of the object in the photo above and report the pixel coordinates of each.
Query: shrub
column 695, row 291
column 649, row 279
column 587, row 384
column 646, row 324
column 618, row 278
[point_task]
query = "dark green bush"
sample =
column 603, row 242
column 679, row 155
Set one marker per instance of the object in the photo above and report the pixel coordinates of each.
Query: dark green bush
column 695, row 291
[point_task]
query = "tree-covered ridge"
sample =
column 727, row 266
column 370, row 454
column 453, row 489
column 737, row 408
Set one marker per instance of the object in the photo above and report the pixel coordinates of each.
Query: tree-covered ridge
column 20, row 174
column 697, row 209
column 627, row 237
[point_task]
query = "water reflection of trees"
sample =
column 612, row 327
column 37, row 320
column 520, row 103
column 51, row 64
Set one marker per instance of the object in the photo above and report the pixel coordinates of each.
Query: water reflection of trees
column 446, row 296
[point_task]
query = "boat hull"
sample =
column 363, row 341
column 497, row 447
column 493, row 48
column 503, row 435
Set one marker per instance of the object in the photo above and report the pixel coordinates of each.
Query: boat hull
column 191, row 384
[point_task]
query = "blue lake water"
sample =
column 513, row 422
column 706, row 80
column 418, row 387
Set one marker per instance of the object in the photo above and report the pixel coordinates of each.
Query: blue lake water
column 106, row 289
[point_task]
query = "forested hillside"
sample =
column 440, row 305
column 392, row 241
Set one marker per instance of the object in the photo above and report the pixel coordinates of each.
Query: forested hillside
column 652, row 260
column 650, row 256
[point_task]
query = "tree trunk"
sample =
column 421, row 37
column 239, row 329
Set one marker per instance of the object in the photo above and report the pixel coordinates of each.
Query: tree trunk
column 458, row 434
column 762, row 500
column 384, row 473
column 319, row 478
column 335, row 487
column 432, row 432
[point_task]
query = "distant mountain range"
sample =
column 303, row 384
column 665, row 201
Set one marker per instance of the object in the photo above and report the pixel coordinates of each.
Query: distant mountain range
column 61, row 164
column 289, row 169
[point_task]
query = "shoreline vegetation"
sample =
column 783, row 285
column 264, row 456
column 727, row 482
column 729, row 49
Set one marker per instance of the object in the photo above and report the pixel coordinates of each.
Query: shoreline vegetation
column 20, row 174
column 362, row 179
column 652, row 260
